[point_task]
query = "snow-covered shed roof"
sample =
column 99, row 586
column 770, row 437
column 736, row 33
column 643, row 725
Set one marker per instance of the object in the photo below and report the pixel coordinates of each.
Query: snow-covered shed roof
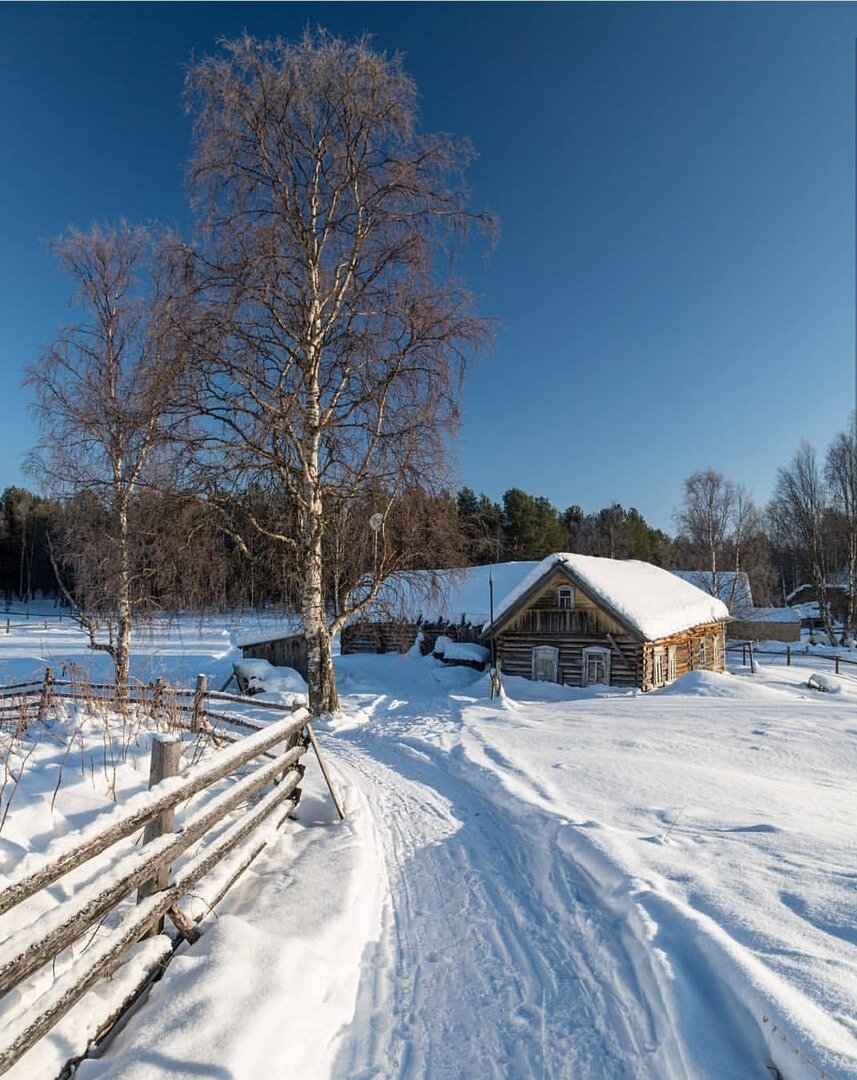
column 451, row 596
column 650, row 601
column 730, row 586
column 770, row 614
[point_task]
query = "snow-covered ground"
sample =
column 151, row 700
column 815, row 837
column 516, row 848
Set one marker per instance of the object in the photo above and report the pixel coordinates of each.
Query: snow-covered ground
column 557, row 884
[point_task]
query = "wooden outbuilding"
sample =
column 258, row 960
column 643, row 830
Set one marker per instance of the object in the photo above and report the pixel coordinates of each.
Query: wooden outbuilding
column 288, row 650
column 452, row 604
column 583, row 621
column 766, row 624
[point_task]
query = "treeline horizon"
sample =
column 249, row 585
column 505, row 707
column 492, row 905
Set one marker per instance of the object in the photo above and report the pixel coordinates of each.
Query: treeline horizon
column 193, row 556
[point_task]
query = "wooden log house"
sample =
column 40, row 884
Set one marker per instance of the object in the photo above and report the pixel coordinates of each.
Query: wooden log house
column 582, row 621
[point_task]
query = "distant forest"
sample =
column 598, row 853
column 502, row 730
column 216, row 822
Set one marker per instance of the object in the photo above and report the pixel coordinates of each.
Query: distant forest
column 193, row 555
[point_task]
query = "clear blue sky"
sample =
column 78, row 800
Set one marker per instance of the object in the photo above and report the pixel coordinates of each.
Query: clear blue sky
column 675, row 184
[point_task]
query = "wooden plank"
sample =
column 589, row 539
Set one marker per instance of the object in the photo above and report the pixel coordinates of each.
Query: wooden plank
column 104, row 955
column 60, row 858
column 58, row 929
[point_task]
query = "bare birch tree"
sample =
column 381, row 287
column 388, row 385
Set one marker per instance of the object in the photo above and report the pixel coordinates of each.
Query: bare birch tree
column 841, row 475
column 706, row 516
column 335, row 331
column 797, row 512
column 105, row 396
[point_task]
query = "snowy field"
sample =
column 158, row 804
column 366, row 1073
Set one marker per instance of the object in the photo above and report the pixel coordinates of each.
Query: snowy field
column 561, row 884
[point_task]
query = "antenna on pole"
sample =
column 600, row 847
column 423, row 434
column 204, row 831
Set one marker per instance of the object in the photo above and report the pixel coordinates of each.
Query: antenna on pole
column 496, row 684
column 375, row 523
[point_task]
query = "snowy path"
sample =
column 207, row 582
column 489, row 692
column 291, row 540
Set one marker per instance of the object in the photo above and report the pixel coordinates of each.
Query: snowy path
column 500, row 959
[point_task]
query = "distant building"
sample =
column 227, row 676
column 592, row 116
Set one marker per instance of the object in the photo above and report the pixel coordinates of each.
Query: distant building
column 767, row 624
column 730, row 586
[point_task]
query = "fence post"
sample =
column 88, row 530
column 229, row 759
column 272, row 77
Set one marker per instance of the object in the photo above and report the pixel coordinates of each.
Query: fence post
column 8, row 626
column 788, row 656
column 836, row 664
column 166, row 752
column 743, row 656
column 47, row 698
column 752, row 662
column 199, row 702
column 158, row 696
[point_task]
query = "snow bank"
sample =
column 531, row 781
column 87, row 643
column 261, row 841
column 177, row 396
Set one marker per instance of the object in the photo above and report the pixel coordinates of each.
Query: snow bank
column 722, row 811
column 272, row 984
column 446, row 649
column 829, row 684
column 277, row 684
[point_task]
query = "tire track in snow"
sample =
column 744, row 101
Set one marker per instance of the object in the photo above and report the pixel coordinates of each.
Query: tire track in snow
column 499, row 961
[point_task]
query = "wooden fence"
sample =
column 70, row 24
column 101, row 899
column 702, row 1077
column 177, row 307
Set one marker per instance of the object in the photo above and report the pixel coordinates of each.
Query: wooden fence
column 267, row 758
column 749, row 652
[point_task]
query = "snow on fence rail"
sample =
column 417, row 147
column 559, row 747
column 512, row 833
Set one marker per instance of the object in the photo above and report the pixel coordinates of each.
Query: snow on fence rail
column 29, row 949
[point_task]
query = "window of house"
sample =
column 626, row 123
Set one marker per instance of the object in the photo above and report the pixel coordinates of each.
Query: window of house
column 671, row 663
column 702, row 652
column 596, row 666
column 545, row 663
column 565, row 597
column 658, row 668
column 716, row 653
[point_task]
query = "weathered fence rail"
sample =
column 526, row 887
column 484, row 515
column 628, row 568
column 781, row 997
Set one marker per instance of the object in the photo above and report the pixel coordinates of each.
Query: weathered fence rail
column 163, row 870
column 749, row 651
column 21, row 702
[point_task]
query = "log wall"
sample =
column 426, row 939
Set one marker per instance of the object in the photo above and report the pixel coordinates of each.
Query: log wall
column 687, row 652
column 375, row 637
column 283, row 652
column 378, row 637
column 515, row 654
column 756, row 630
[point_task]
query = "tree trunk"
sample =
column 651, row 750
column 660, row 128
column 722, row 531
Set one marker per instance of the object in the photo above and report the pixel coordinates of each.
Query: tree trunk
column 824, row 601
column 122, row 647
column 321, row 678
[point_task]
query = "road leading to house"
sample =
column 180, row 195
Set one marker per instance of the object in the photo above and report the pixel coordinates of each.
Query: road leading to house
column 500, row 956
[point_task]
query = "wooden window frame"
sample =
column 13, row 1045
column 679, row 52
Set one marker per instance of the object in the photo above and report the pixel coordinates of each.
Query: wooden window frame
column 604, row 653
column 543, row 650
column 658, row 666
column 672, row 663
column 702, row 653
column 565, row 592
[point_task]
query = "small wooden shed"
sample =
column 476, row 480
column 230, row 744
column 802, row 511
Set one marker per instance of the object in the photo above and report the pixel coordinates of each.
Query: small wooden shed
column 583, row 621
column 766, row 624
column 287, row 651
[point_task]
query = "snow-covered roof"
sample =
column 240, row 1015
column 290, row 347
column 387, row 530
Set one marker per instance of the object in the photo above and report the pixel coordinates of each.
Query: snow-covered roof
column 652, row 601
column 451, row 596
column 769, row 614
column 730, row 586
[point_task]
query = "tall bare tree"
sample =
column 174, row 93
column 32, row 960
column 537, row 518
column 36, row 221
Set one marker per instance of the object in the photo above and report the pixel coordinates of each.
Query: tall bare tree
column 106, row 398
column 797, row 512
column 705, row 515
column 841, row 475
column 334, row 331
